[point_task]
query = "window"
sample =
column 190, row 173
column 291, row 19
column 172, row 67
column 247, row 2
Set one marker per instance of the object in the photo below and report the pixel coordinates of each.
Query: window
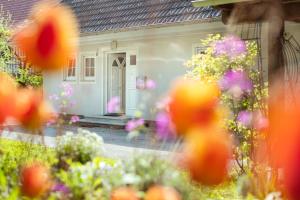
column 70, row 71
column 198, row 49
column 88, row 69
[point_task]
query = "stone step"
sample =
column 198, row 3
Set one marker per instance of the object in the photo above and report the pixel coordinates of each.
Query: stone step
column 104, row 121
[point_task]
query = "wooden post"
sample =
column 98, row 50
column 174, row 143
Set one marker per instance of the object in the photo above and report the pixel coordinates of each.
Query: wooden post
column 275, row 42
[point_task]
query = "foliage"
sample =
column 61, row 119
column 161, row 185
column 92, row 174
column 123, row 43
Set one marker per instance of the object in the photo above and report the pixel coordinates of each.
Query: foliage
column 5, row 33
column 212, row 66
column 85, row 181
column 13, row 155
column 26, row 77
column 143, row 171
column 81, row 147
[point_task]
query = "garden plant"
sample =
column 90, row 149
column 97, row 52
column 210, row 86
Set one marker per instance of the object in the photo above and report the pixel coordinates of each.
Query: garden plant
column 234, row 142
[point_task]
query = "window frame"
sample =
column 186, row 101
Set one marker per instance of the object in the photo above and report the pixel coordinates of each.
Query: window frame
column 66, row 76
column 85, row 56
column 196, row 46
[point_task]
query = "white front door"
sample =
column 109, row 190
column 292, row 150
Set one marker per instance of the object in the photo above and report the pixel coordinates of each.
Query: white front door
column 116, row 77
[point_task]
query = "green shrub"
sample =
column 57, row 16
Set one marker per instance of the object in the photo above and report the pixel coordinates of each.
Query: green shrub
column 81, row 147
column 13, row 155
column 86, row 181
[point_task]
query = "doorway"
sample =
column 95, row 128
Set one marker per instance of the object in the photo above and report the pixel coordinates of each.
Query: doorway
column 117, row 80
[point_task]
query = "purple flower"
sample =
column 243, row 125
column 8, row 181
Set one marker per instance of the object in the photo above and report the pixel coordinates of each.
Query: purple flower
column 113, row 105
column 164, row 126
column 150, row 84
column 134, row 124
column 236, row 83
column 53, row 97
column 61, row 188
column 245, row 118
column 74, row 119
column 67, row 90
column 231, row 46
column 140, row 83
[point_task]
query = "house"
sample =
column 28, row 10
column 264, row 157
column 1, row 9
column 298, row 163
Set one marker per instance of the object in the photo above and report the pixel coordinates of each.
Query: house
column 123, row 41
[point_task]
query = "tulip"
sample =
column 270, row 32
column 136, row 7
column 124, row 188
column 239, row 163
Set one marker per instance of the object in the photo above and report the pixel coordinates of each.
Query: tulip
column 7, row 96
column 31, row 110
column 124, row 193
column 35, row 180
column 206, row 155
column 162, row 193
column 283, row 140
column 49, row 38
column 193, row 103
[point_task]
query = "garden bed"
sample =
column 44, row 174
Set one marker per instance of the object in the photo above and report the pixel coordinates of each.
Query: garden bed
column 84, row 177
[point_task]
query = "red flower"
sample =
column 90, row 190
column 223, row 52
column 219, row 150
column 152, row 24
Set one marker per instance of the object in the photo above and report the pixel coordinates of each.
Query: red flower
column 124, row 193
column 35, row 180
column 31, row 110
column 162, row 193
column 207, row 154
column 283, row 140
column 193, row 103
column 8, row 91
column 49, row 39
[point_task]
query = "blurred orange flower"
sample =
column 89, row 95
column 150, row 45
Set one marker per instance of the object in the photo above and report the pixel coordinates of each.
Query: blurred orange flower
column 124, row 193
column 31, row 110
column 193, row 103
column 49, row 38
column 207, row 154
column 162, row 193
column 283, row 139
column 35, row 180
column 8, row 89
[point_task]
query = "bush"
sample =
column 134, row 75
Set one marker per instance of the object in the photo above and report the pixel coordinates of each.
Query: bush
column 85, row 182
column 13, row 155
column 81, row 147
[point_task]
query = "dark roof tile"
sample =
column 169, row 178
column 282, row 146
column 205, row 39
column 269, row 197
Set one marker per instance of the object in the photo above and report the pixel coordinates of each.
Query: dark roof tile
column 113, row 15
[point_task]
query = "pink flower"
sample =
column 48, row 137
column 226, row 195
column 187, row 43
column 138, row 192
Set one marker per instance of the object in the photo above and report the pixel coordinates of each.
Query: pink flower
column 150, row 84
column 231, row 46
column 140, row 83
column 260, row 122
column 245, row 118
column 236, row 82
column 163, row 104
column 53, row 97
column 67, row 90
column 113, row 105
column 164, row 129
column 134, row 124
column 74, row 119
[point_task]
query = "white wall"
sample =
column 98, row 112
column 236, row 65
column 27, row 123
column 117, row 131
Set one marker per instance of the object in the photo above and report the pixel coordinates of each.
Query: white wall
column 161, row 55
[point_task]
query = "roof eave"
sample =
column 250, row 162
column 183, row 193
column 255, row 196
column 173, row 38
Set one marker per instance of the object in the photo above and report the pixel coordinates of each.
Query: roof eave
column 151, row 26
column 203, row 3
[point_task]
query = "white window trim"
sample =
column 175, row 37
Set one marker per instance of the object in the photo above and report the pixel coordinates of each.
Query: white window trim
column 67, row 78
column 83, row 78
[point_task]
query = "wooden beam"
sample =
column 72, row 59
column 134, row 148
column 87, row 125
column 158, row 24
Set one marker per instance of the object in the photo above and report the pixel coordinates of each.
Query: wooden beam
column 202, row 3
column 251, row 12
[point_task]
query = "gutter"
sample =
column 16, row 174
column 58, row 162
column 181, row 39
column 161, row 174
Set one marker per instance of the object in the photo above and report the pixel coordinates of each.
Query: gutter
column 203, row 3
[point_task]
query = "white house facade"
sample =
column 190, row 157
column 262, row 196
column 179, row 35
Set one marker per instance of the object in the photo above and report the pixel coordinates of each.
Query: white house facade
column 110, row 61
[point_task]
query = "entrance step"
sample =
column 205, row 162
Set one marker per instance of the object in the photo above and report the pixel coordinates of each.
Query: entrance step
column 104, row 121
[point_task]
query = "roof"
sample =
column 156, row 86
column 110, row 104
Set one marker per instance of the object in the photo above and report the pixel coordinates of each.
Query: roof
column 17, row 9
column 115, row 15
